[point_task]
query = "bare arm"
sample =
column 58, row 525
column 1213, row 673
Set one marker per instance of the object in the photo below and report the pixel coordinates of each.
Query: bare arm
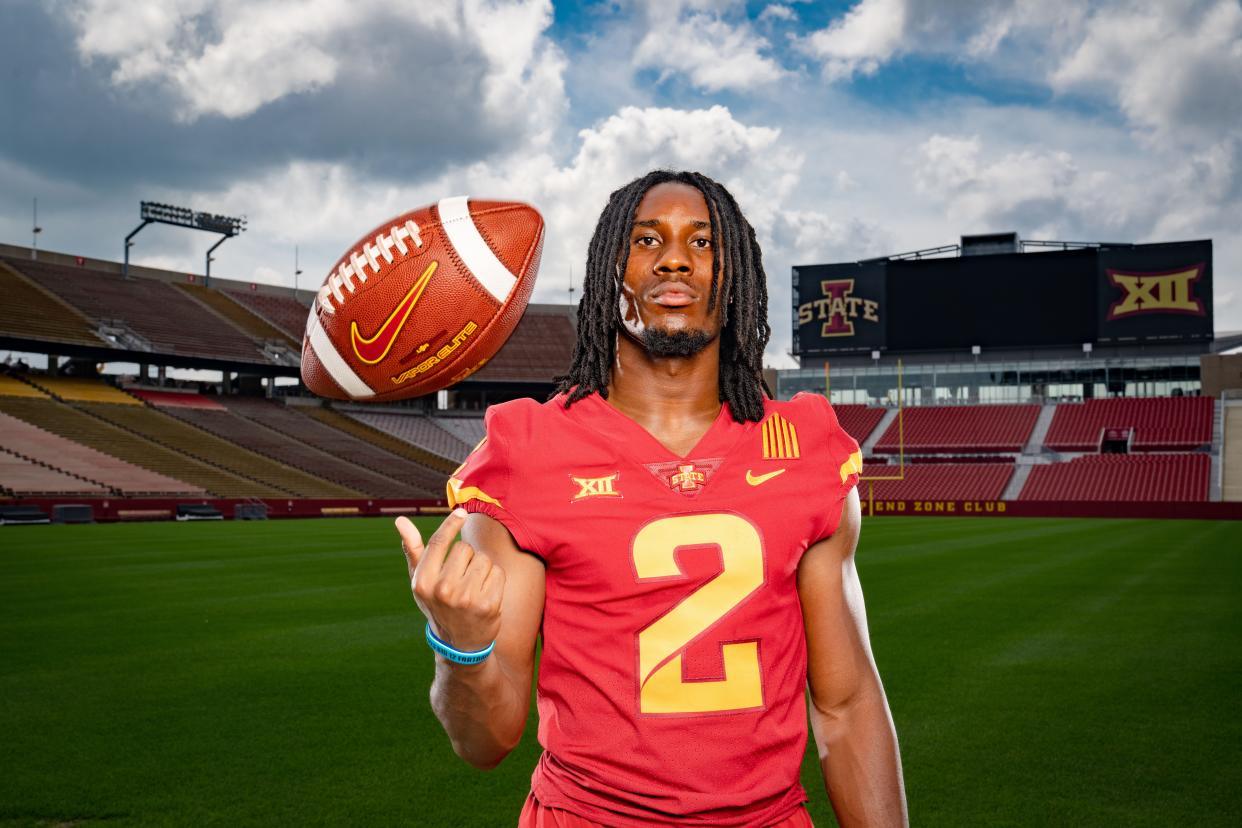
column 485, row 588
column 853, row 728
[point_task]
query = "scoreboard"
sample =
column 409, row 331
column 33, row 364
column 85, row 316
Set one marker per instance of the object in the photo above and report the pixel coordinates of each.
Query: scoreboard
column 1107, row 295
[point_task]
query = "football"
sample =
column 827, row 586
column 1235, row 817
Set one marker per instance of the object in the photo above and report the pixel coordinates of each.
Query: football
column 422, row 301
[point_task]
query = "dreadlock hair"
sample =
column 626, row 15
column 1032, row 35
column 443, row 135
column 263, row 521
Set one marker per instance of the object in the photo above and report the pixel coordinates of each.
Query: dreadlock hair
column 738, row 282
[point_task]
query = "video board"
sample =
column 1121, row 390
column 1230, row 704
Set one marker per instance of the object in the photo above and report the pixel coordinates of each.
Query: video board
column 1107, row 294
column 1155, row 293
column 841, row 307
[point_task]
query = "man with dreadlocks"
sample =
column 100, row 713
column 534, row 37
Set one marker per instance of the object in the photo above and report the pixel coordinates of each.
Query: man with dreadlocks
column 683, row 544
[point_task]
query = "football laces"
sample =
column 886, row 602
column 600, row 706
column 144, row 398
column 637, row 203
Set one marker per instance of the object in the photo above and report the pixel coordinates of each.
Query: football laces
column 367, row 258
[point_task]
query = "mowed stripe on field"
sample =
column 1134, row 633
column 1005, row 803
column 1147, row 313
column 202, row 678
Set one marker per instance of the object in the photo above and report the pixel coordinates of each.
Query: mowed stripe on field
column 1040, row 672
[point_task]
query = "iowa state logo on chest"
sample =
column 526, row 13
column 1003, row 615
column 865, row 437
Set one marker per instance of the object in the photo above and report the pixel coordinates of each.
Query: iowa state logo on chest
column 687, row 477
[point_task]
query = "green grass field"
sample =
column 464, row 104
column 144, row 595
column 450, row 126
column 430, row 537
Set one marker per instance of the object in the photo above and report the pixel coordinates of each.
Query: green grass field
column 1041, row 672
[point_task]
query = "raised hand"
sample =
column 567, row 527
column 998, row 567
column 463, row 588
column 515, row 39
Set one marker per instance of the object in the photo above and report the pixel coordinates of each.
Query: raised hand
column 458, row 588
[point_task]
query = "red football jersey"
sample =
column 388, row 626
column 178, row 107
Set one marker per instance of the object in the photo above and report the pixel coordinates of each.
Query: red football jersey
column 672, row 677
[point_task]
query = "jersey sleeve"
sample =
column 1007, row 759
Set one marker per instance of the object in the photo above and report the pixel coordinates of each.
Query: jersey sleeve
column 840, row 460
column 484, row 482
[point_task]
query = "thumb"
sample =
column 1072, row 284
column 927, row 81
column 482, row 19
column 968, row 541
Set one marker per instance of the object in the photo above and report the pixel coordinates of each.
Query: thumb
column 411, row 541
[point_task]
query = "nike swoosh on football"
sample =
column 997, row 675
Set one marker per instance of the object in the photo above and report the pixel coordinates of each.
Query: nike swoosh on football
column 756, row 479
column 373, row 349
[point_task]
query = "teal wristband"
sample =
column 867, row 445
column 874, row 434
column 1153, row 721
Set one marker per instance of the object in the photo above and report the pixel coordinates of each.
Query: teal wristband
column 457, row 656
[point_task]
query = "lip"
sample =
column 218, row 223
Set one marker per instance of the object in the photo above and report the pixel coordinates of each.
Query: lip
column 673, row 294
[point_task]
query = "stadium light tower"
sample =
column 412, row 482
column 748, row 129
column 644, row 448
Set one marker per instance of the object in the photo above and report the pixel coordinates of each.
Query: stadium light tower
column 151, row 212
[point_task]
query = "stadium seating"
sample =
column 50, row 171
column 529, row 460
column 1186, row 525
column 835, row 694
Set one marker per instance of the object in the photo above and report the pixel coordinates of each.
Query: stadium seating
column 1159, row 423
column 82, row 389
column 103, row 471
column 1127, row 477
column 283, row 312
column 469, row 430
column 176, row 434
column 162, row 315
column 31, row 312
column 413, row 480
column 936, row 481
column 19, row 477
column 81, row 427
column 257, row 327
column 280, row 437
column 966, row 428
column 418, row 430
column 397, row 446
column 176, row 399
column 13, row 387
column 858, row 420
column 538, row 350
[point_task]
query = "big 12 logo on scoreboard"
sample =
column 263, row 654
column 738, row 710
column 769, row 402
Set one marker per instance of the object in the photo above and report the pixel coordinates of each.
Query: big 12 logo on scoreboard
column 1155, row 292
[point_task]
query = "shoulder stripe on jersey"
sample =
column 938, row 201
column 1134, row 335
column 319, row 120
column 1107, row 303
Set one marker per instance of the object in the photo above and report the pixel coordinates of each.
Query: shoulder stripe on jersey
column 852, row 465
column 459, row 494
column 780, row 439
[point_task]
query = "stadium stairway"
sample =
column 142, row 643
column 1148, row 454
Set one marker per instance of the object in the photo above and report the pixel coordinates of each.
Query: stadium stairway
column 868, row 446
column 1036, row 444
column 331, row 417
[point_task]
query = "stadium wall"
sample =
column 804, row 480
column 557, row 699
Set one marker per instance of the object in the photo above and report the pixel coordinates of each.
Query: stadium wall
column 112, row 510
column 1192, row 510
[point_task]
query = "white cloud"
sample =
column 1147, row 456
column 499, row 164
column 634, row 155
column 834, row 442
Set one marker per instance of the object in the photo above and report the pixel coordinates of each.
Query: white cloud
column 869, row 34
column 1174, row 67
column 1171, row 67
column 776, row 11
column 230, row 58
column 712, row 52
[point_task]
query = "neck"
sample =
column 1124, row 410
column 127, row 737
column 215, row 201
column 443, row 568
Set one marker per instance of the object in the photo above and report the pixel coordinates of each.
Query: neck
column 664, row 389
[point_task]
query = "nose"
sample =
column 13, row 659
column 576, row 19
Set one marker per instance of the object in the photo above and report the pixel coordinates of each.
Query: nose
column 674, row 258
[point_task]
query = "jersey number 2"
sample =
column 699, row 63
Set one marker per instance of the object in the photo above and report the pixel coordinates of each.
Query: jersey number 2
column 662, row 644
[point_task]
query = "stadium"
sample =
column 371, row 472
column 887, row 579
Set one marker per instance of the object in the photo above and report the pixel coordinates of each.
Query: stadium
column 164, row 667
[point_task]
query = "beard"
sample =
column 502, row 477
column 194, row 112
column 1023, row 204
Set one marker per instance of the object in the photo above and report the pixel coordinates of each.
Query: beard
column 661, row 343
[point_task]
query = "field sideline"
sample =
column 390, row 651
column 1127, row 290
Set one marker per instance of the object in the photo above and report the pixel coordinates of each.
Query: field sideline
column 1040, row 671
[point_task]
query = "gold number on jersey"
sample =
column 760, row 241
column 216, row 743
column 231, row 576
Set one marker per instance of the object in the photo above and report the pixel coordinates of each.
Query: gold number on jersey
column 662, row 644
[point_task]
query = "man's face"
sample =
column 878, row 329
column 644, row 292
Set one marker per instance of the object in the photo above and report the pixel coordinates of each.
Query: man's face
column 668, row 276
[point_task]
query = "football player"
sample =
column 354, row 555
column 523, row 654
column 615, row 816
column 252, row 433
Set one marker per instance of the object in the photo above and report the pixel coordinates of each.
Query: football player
column 682, row 543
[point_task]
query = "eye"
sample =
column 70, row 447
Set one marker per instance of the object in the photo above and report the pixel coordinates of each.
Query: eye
column 701, row 243
column 646, row 240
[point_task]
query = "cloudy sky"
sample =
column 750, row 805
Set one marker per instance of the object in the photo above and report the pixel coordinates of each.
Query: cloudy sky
column 846, row 129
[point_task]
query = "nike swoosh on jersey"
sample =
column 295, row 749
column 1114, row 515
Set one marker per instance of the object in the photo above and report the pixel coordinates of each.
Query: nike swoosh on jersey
column 756, row 479
column 373, row 349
